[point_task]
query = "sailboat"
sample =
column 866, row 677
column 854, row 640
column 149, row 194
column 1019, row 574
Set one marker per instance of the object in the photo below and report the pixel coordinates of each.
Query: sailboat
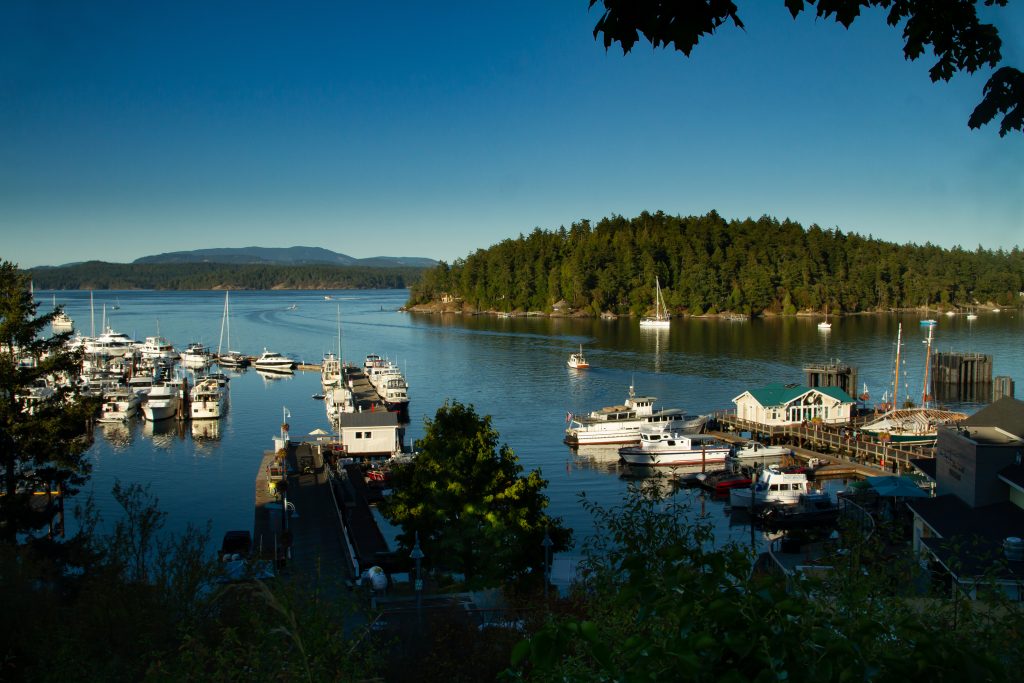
column 578, row 361
column 230, row 359
column 661, row 318
column 330, row 371
column 825, row 324
column 912, row 425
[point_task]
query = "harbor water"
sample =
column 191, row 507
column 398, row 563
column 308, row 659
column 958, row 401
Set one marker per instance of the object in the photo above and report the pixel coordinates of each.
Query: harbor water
column 513, row 369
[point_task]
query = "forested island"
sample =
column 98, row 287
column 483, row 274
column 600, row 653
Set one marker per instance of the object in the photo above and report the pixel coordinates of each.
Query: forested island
column 708, row 265
column 100, row 275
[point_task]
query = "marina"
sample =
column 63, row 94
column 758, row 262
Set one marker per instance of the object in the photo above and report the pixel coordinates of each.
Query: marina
column 205, row 470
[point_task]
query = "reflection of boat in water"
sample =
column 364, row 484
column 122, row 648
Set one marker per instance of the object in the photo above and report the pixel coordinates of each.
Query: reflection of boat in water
column 269, row 377
column 206, row 430
column 117, row 433
column 163, row 432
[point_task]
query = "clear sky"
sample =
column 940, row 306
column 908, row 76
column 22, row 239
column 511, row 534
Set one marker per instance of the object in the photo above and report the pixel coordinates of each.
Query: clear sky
column 437, row 128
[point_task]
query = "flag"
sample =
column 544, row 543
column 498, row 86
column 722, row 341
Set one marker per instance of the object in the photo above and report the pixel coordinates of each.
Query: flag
column 568, row 418
column 287, row 413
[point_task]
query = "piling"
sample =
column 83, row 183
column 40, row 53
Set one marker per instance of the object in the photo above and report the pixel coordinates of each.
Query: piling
column 961, row 377
column 834, row 373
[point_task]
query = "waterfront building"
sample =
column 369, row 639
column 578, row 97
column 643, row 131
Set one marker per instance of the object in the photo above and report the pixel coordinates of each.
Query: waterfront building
column 973, row 529
column 371, row 434
column 785, row 404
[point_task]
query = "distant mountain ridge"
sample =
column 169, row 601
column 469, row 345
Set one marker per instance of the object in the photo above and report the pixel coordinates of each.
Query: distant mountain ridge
column 283, row 256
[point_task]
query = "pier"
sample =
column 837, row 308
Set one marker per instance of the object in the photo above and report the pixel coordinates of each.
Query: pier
column 838, row 444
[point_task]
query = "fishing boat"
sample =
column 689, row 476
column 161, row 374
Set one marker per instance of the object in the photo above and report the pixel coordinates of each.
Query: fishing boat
column 578, row 361
column 228, row 358
column 771, row 486
column 271, row 361
column 661, row 317
column 662, row 448
column 621, row 424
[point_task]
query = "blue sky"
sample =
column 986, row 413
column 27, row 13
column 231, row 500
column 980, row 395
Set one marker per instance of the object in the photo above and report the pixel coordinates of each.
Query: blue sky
column 435, row 129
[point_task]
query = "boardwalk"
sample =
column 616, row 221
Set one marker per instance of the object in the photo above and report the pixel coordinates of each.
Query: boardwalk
column 834, row 443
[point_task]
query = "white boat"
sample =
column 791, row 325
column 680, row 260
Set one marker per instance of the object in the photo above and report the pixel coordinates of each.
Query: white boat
column 271, row 361
column 621, row 424
column 578, row 361
column 61, row 322
column 330, row 370
column 929, row 322
column 119, row 405
column 757, row 451
column 661, row 318
column 663, row 448
column 972, row 316
column 157, row 349
column 196, row 355
column 162, row 402
column 338, row 400
column 109, row 343
column 394, row 391
column 207, row 399
column 772, row 486
column 225, row 356
column 825, row 324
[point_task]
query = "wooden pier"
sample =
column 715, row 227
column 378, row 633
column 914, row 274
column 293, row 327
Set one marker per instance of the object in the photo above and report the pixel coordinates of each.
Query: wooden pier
column 830, row 443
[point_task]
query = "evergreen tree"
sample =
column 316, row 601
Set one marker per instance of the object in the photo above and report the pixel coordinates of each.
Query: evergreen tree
column 45, row 425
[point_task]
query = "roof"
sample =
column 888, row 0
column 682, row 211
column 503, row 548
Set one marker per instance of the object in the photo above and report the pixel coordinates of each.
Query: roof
column 949, row 517
column 376, row 418
column 779, row 394
column 1006, row 413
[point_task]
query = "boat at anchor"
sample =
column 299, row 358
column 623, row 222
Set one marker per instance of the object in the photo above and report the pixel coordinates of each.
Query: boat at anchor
column 621, row 424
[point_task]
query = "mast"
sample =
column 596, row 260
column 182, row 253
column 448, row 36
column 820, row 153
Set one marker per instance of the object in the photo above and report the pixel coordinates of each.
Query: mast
column 927, row 364
column 92, row 316
column 223, row 320
column 896, row 380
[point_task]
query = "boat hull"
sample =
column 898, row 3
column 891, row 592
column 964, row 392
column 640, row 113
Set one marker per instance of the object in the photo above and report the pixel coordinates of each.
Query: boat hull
column 673, row 458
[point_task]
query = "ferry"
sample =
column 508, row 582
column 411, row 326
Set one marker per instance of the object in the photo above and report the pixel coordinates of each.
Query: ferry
column 621, row 424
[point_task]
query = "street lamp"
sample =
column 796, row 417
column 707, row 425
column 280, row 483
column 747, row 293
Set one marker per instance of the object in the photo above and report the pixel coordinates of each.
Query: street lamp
column 547, row 543
column 416, row 556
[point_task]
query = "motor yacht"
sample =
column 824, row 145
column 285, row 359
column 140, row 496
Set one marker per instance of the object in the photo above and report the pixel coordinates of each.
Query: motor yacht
column 162, row 402
column 664, row 448
column 772, row 486
column 207, row 399
column 621, row 424
column 271, row 361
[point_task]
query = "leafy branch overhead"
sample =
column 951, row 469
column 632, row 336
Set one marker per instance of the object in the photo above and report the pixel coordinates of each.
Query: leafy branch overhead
column 951, row 28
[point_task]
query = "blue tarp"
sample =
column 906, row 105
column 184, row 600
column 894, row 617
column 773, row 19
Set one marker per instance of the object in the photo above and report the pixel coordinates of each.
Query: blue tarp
column 899, row 487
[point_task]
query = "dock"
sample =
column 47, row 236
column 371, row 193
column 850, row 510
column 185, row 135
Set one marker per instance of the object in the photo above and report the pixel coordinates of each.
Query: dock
column 834, row 444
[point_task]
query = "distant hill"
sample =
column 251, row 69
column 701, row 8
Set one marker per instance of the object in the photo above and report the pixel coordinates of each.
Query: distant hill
column 283, row 256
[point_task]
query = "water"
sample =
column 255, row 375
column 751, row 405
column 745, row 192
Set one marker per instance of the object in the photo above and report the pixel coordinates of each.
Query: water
column 510, row 368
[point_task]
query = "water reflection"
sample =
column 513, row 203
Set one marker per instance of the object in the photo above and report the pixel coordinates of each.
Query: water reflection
column 208, row 430
column 163, row 432
column 119, row 434
column 273, row 377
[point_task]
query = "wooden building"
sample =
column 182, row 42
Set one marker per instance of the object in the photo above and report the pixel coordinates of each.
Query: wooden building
column 786, row 404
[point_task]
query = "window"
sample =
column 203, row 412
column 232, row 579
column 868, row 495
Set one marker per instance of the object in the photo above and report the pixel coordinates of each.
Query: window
column 359, row 435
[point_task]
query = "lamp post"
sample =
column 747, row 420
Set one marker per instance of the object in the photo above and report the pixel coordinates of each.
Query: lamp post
column 416, row 556
column 547, row 543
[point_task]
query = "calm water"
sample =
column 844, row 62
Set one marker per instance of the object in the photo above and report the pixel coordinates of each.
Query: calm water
column 512, row 369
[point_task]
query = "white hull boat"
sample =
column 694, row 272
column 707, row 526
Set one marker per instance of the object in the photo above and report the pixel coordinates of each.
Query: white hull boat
column 119, row 405
column 271, row 361
column 577, row 361
column 771, row 487
column 659, row 448
column 621, row 424
column 208, row 399
column 162, row 403
column 661, row 317
column 757, row 451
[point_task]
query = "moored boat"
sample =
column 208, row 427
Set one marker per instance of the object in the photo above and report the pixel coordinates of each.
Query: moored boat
column 621, row 424
column 772, row 486
column 755, row 450
column 662, row 448
column 661, row 318
column 162, row 402
column 119, row 404
column 207, row 399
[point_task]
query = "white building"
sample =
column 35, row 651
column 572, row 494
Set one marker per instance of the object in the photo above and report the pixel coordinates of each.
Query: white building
column 371, row 434
column 784, row 404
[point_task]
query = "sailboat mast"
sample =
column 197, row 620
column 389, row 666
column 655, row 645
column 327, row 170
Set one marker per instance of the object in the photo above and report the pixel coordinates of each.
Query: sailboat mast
column 927, row 364
column 896, row 379
column 223, row 320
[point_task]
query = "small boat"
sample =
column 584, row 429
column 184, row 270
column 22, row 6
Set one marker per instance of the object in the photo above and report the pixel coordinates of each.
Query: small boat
column 228, row 359
column 755, row 450
column 621, row 424
column 319, row 397
column 293, row 307
column 972, row 316
column 825, row 325
column 772, row 486
column 578, row 361
column 661, row 317
column 929, row 322
column 271, row 361
column 660, row 448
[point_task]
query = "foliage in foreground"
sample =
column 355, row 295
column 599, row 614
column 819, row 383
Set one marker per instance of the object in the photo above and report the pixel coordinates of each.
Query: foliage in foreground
column 139, row 605
column 465, row 497
column 659, row 603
